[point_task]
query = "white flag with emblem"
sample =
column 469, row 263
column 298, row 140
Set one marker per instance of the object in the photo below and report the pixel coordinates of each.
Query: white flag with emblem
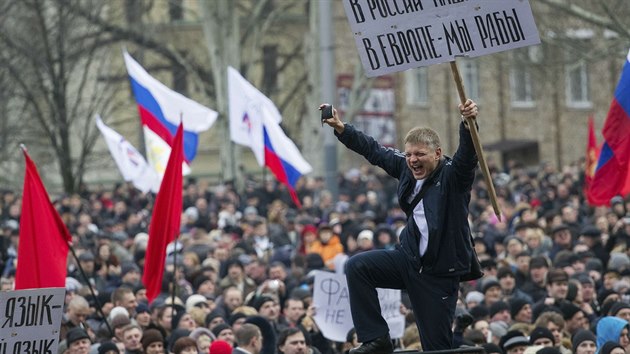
column 132, row 166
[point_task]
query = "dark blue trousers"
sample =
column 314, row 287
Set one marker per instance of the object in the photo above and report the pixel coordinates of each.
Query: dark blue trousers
column 433, row 298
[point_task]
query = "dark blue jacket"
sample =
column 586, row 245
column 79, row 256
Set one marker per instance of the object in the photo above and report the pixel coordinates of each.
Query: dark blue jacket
column 449, row 251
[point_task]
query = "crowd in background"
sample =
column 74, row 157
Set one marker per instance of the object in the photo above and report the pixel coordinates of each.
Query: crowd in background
column 240, row 276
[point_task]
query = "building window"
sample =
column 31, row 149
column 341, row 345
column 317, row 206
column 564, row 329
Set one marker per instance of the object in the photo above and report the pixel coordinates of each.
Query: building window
column 577, row 85
column 417, row 87
column 469, row 70
column 521, row 87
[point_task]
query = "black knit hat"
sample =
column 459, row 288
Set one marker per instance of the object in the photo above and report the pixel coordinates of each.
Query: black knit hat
column 235, row 317
column 590, row 231
column 608, row 347
column 175, row 335
column 492, row 348
column 582, row 336
column 548, row 350
column 259, row 301
column 618, row 306
column 489, row 283
column 479, row 312
column 569, row 310
column 541, row 332
column 211, row 316
column 75, row 334
column 220, row 328
column 498, row 307
column 107, row 347
column 516, row 305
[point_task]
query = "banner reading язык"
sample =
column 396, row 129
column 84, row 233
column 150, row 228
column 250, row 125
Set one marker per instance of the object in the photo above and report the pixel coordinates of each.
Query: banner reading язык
column 30, row 320
column 396, row 35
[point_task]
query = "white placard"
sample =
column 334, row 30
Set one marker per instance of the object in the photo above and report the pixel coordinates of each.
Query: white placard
column 30, row 320
column 396, row 35
column 332, row 304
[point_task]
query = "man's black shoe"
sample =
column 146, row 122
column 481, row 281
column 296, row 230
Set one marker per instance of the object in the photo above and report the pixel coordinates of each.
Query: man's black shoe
column 382, row 345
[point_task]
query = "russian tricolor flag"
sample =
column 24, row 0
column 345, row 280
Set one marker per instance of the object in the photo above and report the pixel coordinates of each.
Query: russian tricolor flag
column 255, row 122
column 612, row 166
column 161, row 109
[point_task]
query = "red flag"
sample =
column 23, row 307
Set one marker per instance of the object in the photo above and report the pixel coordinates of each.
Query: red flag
column 44, row 238
column 166, row 218
column 592, row 153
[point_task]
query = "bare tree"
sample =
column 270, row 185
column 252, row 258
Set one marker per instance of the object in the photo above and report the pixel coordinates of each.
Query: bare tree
column 610, row 15
column 57, row 51
column 51, row 59
column 232, row 30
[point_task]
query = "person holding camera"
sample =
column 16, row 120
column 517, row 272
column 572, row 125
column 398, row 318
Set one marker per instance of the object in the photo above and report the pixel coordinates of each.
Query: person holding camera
column 435, row 247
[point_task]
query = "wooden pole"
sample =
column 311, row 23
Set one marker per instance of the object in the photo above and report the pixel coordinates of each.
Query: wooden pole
column 475, row 138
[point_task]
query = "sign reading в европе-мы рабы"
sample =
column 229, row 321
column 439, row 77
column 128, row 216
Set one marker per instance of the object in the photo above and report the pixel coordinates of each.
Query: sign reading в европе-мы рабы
column 396, row 35
column 30, row 320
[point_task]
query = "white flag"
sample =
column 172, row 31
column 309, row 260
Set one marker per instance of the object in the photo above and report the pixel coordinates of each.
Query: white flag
column 255, row 122
column 249, row 109
column 132, row 166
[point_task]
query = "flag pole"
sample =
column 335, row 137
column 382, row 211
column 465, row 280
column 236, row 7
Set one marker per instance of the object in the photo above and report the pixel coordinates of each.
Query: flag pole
column 87, row 280
column 174, row 271
column 475, row 138
column 174, row 284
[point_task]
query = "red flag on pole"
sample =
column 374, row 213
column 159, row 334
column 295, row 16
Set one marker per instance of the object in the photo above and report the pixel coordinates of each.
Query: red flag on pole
column 44, row 238
column 166, row 219
column 592, row 153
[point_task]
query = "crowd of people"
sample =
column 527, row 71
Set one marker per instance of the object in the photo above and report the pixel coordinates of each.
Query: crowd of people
column 240, row 276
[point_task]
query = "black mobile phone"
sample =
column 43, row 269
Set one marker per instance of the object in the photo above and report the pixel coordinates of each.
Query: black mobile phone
column 327, row 111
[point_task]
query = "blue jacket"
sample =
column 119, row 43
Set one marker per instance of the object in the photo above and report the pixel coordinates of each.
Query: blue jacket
column 609, row 330
column 449, row 251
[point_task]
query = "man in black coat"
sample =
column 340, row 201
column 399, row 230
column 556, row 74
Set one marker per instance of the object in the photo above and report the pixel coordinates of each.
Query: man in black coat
column 435, row 246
